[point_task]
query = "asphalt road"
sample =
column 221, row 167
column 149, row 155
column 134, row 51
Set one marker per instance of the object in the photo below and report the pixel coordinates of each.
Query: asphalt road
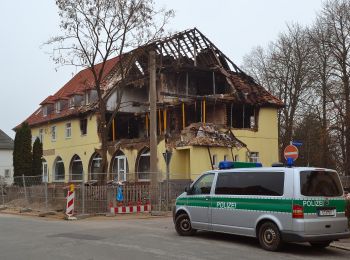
column 35, row 238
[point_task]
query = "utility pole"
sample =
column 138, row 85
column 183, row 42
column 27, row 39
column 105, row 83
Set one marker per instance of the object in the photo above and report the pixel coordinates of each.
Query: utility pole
column 153, row 128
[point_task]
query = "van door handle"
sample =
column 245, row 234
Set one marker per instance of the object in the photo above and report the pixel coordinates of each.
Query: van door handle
column 207, row 198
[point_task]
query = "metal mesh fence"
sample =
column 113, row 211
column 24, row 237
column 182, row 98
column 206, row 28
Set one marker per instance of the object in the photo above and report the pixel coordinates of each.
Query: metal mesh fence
column 94, row 193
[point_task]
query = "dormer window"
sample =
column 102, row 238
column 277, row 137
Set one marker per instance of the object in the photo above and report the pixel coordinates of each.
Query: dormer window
column 71, row 102
column 44, row 111
column 87, row 98
column 57, row 107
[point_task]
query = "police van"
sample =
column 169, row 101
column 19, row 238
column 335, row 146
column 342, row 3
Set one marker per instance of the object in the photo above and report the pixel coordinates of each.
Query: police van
column 273, row 204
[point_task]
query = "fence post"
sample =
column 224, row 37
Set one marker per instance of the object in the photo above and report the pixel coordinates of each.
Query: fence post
column 24, row 186
column 46, row 199
column 83, row 195
column 160, row 196
column 2, row 193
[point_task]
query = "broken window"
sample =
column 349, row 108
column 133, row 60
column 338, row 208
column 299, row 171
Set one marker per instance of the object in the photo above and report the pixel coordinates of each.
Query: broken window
column 241, row 116
column 83, row 126
column 126, row 126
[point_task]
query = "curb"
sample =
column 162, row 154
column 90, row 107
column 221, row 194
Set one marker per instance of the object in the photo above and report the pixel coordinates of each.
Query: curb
column 340, row 247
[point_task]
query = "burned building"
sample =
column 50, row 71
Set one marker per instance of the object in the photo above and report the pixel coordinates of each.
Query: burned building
column 208, row 110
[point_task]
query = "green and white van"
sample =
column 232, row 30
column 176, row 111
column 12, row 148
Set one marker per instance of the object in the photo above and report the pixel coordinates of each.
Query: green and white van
column 274, row 204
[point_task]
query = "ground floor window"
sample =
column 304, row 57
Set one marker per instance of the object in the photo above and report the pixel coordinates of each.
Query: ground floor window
column 254, row 157
column 120, row 167
column 45, row 177
column 143, row 165
column 95, row 166
column 59, row 169
column 76, row 168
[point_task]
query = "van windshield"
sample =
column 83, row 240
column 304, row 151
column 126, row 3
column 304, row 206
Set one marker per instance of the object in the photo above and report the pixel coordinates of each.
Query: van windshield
column 320, row 183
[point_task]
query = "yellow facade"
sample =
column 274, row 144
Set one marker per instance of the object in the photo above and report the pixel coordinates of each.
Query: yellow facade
column 189, row 162
column 186, row 163
column 82, row 145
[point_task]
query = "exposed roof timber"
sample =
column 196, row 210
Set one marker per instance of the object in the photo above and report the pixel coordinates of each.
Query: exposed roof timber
column 218, row 51
column 216, row 97
column 189, row 43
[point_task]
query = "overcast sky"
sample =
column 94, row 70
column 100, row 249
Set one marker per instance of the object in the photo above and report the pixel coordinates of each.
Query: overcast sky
column 28, row 75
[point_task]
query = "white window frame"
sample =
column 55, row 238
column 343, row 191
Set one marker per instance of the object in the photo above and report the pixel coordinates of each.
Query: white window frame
column 145, row 154
column 44, row 110
column 45, row 169
column 56, row 179
column 87, row 98
column 68, row 132
column 121, row 172
column 71, row 102
column 58, row 107
column 53, row 133
column 254, row 157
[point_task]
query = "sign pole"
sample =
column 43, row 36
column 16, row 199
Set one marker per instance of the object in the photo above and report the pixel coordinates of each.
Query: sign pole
column 167, row 157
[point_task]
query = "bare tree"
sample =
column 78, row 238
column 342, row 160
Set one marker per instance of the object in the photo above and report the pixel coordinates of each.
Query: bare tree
column 284, row 69
column 93, row 31
column 336, row 18
column 321, row 74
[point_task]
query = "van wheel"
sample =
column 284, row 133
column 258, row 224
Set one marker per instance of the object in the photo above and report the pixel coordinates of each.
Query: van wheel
column 269, row 236
column 183, row 225
column 321, row 244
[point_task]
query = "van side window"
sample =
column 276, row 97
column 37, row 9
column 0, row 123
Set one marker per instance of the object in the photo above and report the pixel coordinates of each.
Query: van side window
column 250, row 183
column 203, row 185
column 320, row 183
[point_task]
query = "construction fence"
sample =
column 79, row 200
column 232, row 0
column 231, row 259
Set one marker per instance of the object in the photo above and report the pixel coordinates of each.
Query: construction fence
column 94, row 197
column 91, row 196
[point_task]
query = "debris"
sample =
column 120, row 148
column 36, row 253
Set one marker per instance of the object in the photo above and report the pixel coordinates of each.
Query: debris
column 199, row 134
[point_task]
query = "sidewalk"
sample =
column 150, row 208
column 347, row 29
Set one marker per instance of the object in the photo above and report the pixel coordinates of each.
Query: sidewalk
column 342, row 244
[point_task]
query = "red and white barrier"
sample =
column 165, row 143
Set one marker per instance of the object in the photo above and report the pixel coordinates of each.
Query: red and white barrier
column 131, row 209
column 70, row 203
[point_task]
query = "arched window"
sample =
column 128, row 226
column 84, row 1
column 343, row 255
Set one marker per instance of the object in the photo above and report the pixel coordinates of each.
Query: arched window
column 45, row 171
column 76, row 169
column 58, row 169
column 95, row 166
column 120, row 166
column 143, row 165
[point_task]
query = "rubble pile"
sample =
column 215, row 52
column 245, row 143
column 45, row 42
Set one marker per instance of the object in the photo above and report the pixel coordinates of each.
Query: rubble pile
column 199, row 134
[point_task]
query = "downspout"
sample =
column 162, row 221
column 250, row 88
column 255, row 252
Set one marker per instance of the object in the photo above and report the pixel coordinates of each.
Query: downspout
column 211, row 160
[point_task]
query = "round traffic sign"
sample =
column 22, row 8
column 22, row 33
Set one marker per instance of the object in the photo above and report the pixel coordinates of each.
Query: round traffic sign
column 291, row 151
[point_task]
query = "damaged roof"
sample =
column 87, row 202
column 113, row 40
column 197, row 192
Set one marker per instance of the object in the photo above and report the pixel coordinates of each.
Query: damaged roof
column 249, row 92
column 190, row 47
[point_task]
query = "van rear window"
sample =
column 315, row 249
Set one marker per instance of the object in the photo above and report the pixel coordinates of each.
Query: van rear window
column 320, row 183
column 250, row 183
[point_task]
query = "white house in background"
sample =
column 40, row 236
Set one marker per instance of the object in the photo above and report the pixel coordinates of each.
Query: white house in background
column 6, row 161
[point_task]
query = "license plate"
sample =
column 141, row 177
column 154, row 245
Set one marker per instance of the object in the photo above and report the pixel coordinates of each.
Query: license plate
column 326, row 212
